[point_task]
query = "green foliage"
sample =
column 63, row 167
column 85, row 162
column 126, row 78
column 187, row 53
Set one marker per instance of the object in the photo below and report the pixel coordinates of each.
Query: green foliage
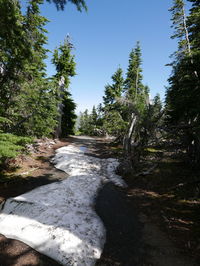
column 64, row 62
column 133, row 82
column 11, row 145
column 14, row 51
column 28, row 100
column 85, row 124
column 60, row 4
column 69, row 116
column 183, row 94
column 114, row 91
column 65, row 67
column 40, row 118
column 152, row 122
column 36, row 38
column 114, row 124
column 91, row 123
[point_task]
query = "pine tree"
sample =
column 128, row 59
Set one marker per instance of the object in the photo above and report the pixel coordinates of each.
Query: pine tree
column 28, row 101
column 94, row 116
column 85, row 123
column 36, row 99
column 14, row 52
column 133, row 82
column 36, row 34
column 36, row 109
column 65, row 67
column 179, row 24
column 69, row 116
column 135, row 106
column 194, row 35
column 60, row 4
column 113, row 123
column 152, row 121
column 183, row 94
column 114, row 91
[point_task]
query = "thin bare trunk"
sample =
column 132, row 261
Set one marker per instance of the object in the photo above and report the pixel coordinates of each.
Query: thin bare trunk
column 128, row 137
column 58, row 131
column 188, row 41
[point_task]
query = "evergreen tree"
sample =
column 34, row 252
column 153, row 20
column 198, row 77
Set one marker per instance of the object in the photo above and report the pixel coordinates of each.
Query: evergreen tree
column 194, row 36
column 60, row 4
column 135, row 106
column 36, row 35
column 23, row 84
column 29, row 101
column 113, row 123
column 94, row 116
column 179, row 25
column 152, row 121
column 69, row 116
column 85, row 125
column 64, row 63
column 183, row 94
column 114, row 91
column 34, row 107
column 65, row 67
column 91, row 123
column 35, row 113
column 14, row 52
column 133, row 82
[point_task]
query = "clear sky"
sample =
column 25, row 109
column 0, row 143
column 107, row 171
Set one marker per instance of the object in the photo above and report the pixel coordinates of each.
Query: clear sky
column 103, row 38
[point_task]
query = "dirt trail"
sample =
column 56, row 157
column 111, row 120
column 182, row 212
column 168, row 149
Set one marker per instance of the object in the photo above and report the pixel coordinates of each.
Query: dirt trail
column 132, row 240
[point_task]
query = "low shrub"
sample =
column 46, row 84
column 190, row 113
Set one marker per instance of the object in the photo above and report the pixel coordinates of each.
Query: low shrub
column 11, row 145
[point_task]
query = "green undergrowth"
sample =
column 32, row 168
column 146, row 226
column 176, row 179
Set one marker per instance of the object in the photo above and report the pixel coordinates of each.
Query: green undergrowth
column 11, row 146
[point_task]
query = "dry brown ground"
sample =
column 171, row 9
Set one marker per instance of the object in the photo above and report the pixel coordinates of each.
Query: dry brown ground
column 169, row 207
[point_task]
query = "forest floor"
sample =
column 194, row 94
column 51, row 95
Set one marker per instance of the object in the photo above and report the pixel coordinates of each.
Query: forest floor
column 154, row 222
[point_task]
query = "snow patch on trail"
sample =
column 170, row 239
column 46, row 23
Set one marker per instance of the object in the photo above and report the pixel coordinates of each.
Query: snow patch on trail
column 59, row 219
column 73, row 161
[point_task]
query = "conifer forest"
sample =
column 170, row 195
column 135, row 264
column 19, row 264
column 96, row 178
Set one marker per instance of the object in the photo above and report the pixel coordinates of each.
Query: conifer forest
column 155, row 140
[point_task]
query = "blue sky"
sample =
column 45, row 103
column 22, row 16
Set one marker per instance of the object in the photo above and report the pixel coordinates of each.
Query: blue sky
column 103, row 38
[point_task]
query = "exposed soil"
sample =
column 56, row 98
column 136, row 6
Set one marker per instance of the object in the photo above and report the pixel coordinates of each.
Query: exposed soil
column 147, row 223
column 124, row 231
column 14, row 252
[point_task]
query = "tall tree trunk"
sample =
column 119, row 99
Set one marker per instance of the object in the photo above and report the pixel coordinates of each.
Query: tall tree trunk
column 188, row 41
column 58, row 131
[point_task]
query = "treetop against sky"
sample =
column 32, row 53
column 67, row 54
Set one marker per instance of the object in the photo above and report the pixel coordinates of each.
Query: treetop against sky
column 103, row 38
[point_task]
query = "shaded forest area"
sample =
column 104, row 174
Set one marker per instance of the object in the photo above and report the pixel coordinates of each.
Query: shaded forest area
column 158, row 143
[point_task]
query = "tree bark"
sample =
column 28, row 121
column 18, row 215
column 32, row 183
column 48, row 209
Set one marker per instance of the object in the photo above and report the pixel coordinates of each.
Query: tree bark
column 58, row 131
column 128, row 136
column 188, row 41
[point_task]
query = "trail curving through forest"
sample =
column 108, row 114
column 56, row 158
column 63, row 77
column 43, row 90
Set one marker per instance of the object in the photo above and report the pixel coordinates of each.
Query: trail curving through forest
column 59, row 219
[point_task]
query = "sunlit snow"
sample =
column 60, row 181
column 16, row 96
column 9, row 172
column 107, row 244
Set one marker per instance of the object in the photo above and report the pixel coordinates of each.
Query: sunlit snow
column 59, row 219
